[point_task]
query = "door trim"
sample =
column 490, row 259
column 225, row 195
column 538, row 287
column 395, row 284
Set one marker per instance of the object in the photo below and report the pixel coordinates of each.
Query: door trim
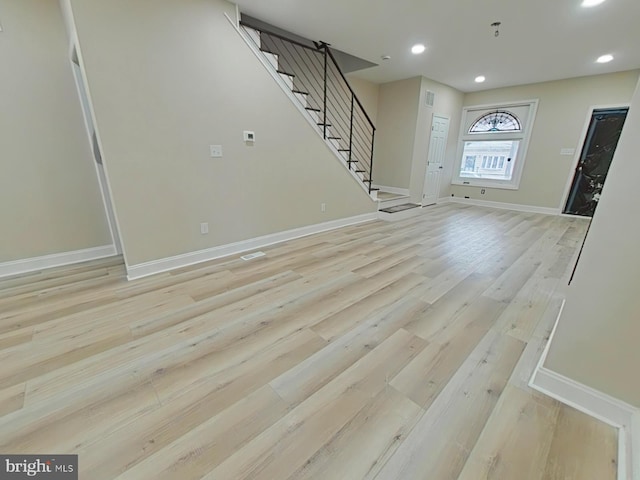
column 578, row 154
column 426, row 164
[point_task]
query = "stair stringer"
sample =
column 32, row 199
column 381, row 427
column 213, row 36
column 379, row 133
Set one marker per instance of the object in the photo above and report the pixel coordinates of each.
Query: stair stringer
column 298, row 102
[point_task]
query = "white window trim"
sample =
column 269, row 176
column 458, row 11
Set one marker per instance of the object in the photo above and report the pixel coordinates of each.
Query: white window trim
column 524, row 137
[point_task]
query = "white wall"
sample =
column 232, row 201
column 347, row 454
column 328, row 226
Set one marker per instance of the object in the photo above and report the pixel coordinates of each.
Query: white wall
column 596, row 342
column 49, row 194
column 562, row 112
column 166, row 82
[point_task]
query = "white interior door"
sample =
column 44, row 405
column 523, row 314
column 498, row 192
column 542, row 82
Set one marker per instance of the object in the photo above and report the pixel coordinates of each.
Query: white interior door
column 435, row 159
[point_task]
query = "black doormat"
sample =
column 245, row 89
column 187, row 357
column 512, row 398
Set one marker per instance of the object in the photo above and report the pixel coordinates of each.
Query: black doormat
column 399, row 208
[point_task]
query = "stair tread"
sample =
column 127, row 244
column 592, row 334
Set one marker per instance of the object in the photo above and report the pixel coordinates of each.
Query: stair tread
column 300, row 92
column 334, row 138
column 269, row 51
column 343, row 150
column 313, row 109
column 282, row 72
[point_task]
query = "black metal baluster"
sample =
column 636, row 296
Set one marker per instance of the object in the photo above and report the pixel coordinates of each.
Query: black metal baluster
column 351, row 133
column 332, row 85
column 373, row 139
column 324, row 122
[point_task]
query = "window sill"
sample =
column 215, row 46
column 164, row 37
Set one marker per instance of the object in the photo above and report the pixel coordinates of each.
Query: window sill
column 485, row 184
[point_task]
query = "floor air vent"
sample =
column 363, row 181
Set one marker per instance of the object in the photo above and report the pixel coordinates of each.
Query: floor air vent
column 251, row 256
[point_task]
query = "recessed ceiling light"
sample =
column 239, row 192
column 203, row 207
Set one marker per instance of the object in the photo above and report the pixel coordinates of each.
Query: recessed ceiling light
column 605, row 58
column 591, row 3
column 480, row 79
column 418, row 49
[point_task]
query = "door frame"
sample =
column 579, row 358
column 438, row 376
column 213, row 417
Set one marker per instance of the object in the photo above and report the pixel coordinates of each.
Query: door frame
column 426, row 163
column 578, row 154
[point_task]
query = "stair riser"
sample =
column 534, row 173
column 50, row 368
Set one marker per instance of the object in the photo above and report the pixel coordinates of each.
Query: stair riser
column 302, row 98
column 392, row 203
column 394, row 217
column 273, row 59
column 287, row 79
column 315, row 115
column 255, row 36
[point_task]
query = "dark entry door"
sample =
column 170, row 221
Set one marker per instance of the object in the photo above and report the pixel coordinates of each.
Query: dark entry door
column 599, row 146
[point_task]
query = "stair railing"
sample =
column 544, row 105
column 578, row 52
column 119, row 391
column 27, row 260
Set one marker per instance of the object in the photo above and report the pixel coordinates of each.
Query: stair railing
column 321, row 85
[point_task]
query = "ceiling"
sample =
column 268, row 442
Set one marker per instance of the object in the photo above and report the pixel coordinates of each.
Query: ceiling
column 539, row 40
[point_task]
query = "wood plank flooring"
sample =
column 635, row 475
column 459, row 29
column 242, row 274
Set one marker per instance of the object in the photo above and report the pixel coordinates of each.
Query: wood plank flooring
column 385, row 350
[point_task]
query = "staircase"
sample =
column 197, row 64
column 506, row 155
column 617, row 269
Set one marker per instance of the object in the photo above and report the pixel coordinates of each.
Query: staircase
column 311, row 74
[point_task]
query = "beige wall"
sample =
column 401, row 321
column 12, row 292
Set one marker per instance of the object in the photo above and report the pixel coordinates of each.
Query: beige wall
column 173, row 80
column 404, row 126
column 368, row 93
column 50, row 200
column 562, row 113
column 448, row 103
column 596, row 342
column 398, row 106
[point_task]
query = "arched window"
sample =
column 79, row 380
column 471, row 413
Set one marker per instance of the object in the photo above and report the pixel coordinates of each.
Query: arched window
column 498, row 121
column 493, row 144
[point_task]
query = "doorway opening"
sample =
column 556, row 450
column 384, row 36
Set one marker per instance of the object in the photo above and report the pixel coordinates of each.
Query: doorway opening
column 595, row 159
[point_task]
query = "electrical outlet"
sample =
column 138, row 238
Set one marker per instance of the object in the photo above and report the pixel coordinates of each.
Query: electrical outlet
column 216, row 151
column 323, row 207
column 204, row 228
column 482, row 192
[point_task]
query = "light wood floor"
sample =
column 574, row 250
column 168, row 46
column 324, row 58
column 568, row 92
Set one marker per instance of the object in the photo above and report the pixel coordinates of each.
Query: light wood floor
column 384, row 350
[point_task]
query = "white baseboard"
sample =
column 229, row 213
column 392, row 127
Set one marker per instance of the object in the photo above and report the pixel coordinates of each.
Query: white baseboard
column 635, row 446
column 186, row 259
column 605, row 408
column 396, row 190
column 576, row 217
column 27, row 265
column 505, row 206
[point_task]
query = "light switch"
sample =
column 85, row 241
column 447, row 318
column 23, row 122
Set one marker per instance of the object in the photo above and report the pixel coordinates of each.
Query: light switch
column 216, row 151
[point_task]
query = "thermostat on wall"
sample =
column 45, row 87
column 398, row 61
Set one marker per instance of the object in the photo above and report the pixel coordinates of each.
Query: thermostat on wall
column 249, row 136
